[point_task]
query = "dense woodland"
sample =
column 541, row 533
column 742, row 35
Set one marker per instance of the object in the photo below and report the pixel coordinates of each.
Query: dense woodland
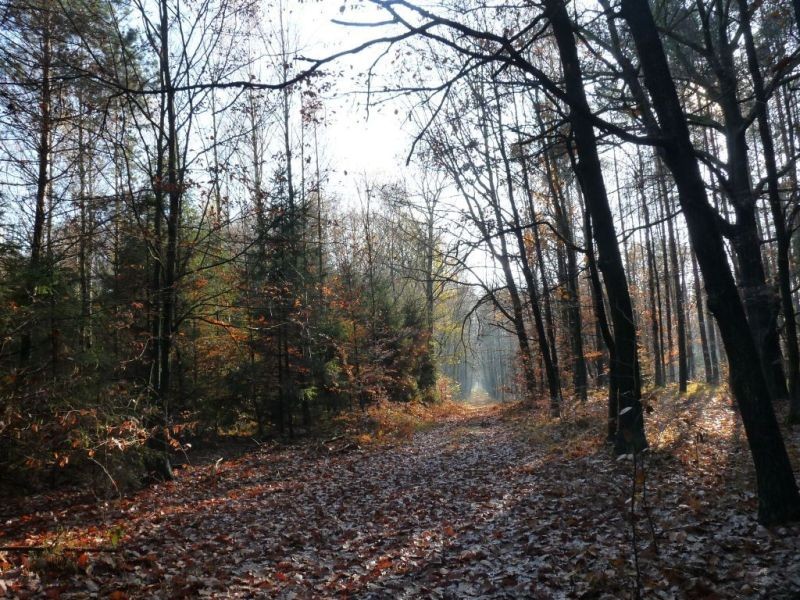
column 599, row 204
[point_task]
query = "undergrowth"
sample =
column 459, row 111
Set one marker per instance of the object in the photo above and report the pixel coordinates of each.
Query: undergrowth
column 388, row 422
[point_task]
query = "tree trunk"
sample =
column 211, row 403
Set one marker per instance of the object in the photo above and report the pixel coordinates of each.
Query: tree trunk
column 680, row 314
column 545, row 346
column 759, row 301
column 690, row 365
column 573, row 310
column 779, row 500
column 85, row 241
column 701, row 323
column 602, row 323
column 42, row 186
column 776, row 207
column 504, row 258
column 667, row 302
column 625, row 364
column 658, row 356
column 168, row 260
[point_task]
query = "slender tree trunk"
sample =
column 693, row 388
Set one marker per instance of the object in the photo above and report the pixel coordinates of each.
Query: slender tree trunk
column 602, row 323
column 537, row 245
column 690, row 365
column 759, row 302
column 776, row 206
column 658, row 358
column 164, row 277
column 777, row 490
column 550, row 369
column 667, row 302
column 625, row 363
column 793, row 221
column 713, row 347
column 701, row 323
column 320, row 242
column 427, row 376
column 279, row 403
column 42, row 187
column 573, row 310
column 55, row 334
column 680, row 315
column 547, row 299
column 84, row 243
column 503, row 257
column 216, row 188
column 116, row 259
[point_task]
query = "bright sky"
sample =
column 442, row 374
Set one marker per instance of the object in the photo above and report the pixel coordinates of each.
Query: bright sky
column 374, row 143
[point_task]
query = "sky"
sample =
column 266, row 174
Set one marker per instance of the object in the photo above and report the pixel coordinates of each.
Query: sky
column 374, row 143
column 360, row 144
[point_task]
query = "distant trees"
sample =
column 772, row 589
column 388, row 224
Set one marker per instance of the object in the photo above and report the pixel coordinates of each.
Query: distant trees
column 596, row 92
column 43, row 52
column 171, row 258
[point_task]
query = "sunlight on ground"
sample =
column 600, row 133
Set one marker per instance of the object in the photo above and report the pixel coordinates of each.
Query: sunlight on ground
column 497, row 499
column 480, row 397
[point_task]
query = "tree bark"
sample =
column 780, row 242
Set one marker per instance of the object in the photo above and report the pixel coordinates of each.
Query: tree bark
column 625, row 364
column 778, row 496
column 708, row 371
column 776, row 207
column 42, row 186
column 680, row 314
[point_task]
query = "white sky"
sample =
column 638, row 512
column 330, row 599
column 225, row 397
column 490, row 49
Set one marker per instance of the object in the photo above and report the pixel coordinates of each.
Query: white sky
column 374, row 144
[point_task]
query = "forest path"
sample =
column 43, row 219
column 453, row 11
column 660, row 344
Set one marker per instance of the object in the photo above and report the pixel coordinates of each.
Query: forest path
column 482, row 505
column 452, row 512
column 441, row 515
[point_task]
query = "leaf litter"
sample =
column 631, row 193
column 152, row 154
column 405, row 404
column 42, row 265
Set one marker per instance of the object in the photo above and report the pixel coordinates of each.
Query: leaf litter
column 490, row 503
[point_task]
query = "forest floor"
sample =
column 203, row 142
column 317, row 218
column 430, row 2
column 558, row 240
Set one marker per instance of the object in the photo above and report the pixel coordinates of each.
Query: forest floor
column 488, row 502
